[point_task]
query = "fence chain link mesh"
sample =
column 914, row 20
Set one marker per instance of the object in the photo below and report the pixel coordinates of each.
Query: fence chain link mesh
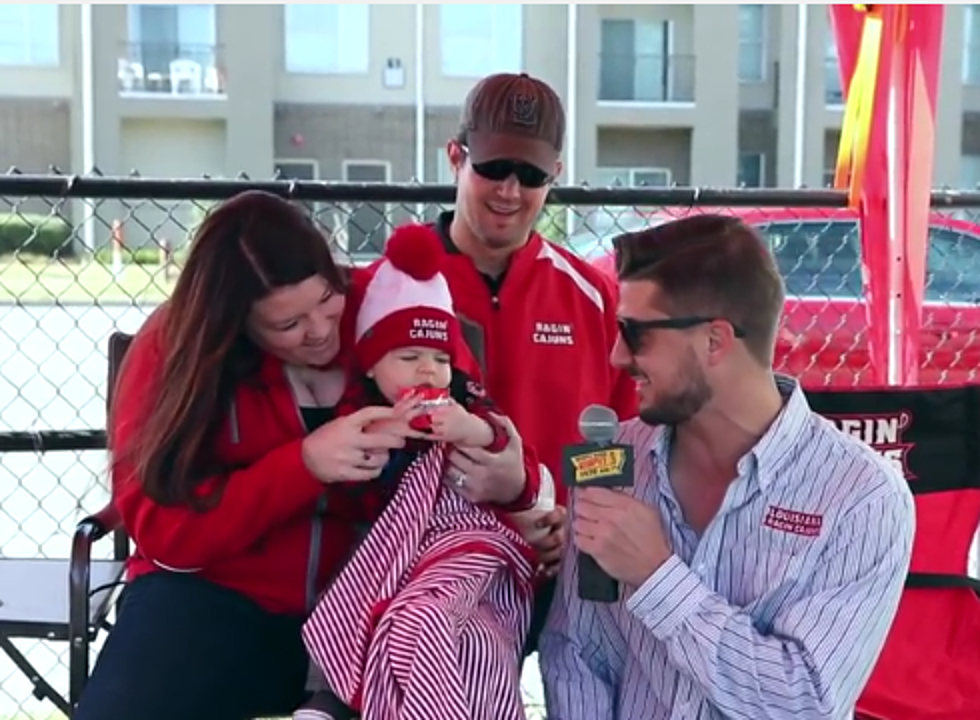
column 75, row 266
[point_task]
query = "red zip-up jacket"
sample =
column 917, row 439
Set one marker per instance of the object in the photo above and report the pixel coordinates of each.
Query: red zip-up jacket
column 268, row 537
column 542, row 336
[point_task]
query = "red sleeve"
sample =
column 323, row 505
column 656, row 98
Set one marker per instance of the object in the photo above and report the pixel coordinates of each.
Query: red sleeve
column 254, row 499
column 468, row 371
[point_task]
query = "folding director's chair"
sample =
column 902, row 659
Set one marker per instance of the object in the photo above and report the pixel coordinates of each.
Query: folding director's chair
column 930, row 666
column 64, row 599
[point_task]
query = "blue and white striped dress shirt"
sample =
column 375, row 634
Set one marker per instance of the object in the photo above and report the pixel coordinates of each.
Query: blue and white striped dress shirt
column 767, row 615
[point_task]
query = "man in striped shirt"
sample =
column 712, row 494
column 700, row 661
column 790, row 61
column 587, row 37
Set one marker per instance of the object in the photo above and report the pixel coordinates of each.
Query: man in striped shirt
column 762, row 552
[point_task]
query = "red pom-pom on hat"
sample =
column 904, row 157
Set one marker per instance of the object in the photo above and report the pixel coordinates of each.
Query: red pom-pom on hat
column 415, row 250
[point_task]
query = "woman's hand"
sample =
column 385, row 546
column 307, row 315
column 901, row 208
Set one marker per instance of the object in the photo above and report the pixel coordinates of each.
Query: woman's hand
column 355, row 448
column 455, row 425
column 406, row 410
column 485, row 477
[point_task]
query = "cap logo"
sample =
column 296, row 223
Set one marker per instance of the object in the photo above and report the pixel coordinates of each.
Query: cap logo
column 524, row 109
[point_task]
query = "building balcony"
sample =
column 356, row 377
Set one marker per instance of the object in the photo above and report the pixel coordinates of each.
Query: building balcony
column 178, row 70
column 631, row 78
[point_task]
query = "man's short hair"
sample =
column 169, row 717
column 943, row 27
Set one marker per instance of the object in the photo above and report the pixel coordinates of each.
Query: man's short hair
column 711, row 266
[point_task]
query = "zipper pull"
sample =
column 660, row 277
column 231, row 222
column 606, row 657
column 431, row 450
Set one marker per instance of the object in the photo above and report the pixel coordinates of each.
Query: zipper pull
column 495, row 302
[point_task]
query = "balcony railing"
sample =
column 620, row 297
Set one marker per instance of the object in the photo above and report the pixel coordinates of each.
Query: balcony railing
column 175, row 69
column 833, row 90
column 653, row 78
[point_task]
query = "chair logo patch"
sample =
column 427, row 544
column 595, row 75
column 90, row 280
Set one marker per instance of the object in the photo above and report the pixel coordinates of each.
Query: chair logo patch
column 884, row 432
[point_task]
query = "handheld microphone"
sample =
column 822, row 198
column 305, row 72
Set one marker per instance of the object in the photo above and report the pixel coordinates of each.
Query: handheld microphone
column 597, row 461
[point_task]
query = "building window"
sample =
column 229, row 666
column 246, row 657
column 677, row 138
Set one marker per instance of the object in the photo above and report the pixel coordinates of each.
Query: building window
column 751, row 170
column 479, row 40
column 328, row 39
column 29, row 35
column 833, row 87
column 303, row 170
column 970, row 172
column 306, row 170
column 971, row 46
column 367, row 224
column 636, row 64
column 444, row 170
column 632, row 177
column 751, row 43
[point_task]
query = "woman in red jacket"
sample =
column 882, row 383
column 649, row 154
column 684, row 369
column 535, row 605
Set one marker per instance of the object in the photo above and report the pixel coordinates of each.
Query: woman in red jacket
column 224, row 441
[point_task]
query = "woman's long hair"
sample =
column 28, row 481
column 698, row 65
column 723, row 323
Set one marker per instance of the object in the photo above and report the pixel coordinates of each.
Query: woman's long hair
column 247, row 246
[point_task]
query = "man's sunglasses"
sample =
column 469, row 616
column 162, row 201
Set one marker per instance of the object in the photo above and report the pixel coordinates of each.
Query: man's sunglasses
column 632, row 331
column 528, row 175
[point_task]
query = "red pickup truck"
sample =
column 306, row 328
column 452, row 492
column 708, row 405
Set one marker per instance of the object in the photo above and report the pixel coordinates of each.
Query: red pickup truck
column 823, row 339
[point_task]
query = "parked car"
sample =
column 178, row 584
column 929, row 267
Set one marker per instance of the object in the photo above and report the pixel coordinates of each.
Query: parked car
column 823, row 339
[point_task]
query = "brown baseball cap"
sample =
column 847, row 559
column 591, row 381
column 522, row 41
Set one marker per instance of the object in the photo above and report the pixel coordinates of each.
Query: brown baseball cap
column 513, row 117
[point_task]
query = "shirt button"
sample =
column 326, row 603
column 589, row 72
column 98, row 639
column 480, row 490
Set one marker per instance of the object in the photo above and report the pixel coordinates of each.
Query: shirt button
column 702, row 568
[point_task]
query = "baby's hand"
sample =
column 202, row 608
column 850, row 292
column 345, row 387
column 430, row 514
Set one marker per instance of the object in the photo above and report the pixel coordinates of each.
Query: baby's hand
column 455, row 425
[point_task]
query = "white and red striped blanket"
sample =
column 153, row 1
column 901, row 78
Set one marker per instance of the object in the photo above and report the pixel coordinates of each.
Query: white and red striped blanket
column 428, row 618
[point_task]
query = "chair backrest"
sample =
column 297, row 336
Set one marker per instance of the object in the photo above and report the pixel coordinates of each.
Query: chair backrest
column 929, row 667
column 933, row 437
column 119, row 343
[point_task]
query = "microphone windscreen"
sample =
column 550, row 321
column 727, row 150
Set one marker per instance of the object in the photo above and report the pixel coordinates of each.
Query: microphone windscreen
column 598, row 424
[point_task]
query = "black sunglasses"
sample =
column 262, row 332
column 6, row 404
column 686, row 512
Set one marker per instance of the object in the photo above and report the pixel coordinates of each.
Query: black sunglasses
column 632, row 331
column 528, row 175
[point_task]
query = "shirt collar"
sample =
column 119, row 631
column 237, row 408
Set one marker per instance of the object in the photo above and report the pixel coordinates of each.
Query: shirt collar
column 774, row 448
column 442, row 224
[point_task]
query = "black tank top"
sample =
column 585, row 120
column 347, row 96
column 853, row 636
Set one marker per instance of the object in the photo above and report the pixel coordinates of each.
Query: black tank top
column 314, row 417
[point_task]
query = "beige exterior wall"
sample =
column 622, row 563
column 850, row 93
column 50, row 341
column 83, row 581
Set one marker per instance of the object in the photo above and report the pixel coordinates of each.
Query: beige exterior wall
column 264, row 115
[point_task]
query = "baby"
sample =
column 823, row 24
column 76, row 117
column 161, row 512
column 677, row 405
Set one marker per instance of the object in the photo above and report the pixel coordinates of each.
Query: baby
column 407, row 354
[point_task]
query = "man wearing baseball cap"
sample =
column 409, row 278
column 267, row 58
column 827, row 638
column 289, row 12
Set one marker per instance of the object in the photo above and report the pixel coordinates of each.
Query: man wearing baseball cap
column 540, row 320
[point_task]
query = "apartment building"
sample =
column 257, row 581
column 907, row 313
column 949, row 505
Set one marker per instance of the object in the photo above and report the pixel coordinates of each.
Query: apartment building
column 657, row 94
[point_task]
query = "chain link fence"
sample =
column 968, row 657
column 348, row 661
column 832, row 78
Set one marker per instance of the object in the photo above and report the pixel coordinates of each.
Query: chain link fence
column 81, row 257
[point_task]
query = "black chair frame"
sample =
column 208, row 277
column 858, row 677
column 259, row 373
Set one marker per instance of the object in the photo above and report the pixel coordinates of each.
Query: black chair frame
column 88, row 607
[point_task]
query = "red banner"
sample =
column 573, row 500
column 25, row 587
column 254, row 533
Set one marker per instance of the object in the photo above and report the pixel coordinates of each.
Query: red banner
column 889, row 62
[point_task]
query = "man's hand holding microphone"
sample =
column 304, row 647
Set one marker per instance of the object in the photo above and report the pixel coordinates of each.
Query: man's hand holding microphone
column 620, row 539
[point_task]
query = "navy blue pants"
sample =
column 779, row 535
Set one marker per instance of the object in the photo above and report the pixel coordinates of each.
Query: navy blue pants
column 186, row 649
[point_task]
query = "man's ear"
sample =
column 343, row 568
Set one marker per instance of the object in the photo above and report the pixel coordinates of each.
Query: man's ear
column 455, row 154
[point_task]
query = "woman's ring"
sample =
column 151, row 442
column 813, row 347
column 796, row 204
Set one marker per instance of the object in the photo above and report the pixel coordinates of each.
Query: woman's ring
column 460, row 479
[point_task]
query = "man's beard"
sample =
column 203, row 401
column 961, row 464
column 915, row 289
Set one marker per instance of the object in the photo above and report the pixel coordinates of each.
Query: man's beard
column 690, row 394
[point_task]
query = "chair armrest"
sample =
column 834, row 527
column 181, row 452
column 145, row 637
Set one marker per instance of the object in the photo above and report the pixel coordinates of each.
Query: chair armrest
column 89, row 530
column 98, row 525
